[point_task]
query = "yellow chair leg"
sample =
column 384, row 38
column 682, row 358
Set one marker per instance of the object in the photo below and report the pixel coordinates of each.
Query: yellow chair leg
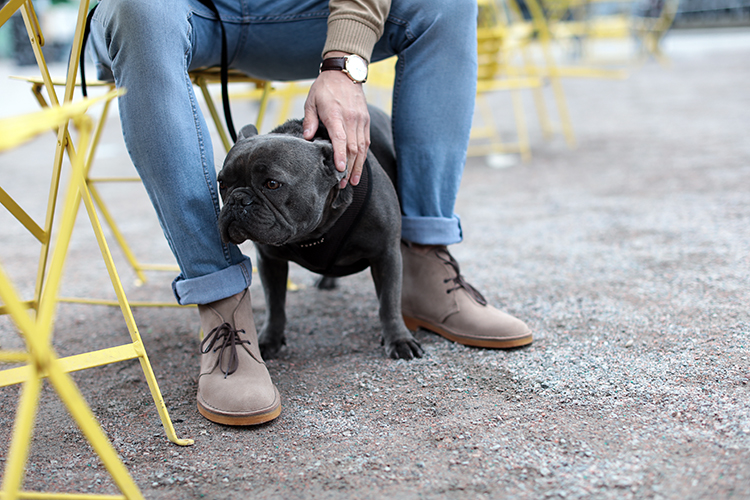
column 18, row 453
column 201, row 82
column 127, row 311
column 523, row 134
column 263, row 105
column 119, row 237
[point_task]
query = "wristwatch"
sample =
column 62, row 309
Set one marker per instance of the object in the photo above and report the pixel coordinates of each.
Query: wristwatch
column 353, row 66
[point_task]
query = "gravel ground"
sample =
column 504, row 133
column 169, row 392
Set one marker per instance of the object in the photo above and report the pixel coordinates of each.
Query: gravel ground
column 628, row 257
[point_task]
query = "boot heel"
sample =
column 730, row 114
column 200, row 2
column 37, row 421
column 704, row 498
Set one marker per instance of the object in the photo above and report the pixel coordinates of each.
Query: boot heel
column 411, row 323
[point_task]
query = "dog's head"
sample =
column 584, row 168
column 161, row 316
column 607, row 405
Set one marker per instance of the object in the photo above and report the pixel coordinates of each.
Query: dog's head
column 277, row 188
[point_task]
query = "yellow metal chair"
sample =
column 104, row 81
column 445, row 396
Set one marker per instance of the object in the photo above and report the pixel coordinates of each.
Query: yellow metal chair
column 492, row 77
column 495, row 74
column 202, row 78
column 504, row 41
column 36, row 328
column 627, row 21
column 39, row 360
column 526, row 58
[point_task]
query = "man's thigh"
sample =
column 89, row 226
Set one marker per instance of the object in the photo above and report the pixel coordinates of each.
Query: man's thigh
column 281, row 40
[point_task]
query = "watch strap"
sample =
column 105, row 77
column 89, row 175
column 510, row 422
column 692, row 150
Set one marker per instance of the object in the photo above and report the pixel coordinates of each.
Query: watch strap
column 333, row 63
column 352, row 66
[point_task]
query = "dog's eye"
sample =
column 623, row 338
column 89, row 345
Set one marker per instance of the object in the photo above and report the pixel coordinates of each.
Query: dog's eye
column 272, row 184
column 222, row 186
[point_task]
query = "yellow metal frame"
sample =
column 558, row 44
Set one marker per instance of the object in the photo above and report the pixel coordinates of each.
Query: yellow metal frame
column 550, row 70
column 506, row 44
column 37, row 87
column 40, row 360
column 105, row 356
column 645, row 33
column 207, row 76
column 201, row 78
column 494, row 74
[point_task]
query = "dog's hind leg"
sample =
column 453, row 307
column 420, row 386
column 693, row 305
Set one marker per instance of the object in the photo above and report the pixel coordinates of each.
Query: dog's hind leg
column 326, row 283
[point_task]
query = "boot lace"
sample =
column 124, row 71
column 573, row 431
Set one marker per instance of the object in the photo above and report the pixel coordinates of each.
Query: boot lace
column 226, row 339
column 459, row 281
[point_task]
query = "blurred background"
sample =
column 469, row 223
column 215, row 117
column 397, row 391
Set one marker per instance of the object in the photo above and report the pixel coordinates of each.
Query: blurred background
column 524, row 45
column 527, row 49
column 58, row 22
column 606, row 190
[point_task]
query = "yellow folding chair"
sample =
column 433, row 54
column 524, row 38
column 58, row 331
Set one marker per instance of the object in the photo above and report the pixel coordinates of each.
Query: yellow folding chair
column 202, row 78
column 590, row 23
column 527, row 57
column 495, row 74
column 36, row 328
column 39, row 360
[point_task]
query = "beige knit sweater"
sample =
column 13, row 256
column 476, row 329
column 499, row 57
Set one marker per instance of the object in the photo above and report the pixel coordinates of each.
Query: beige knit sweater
column 354, row 26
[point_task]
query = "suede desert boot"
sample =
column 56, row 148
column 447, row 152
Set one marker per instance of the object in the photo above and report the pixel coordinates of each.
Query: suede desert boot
column 437, row 298
column 234, row 386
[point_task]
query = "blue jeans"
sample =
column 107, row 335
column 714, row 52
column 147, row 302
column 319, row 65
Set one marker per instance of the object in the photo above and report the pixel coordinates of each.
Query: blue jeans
column 149, row 46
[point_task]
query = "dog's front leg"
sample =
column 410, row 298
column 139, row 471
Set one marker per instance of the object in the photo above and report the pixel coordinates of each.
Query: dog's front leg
column 386, row 274
column 273, row 275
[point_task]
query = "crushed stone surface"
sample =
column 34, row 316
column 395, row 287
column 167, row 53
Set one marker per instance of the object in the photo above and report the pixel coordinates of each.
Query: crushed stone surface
column 628, row 256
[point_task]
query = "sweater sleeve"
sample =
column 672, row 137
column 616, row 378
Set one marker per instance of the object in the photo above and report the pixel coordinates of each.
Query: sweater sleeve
column 354, row 26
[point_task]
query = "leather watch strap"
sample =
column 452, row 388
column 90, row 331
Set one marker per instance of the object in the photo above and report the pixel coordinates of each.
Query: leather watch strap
column 354, row 66
column 333, row 63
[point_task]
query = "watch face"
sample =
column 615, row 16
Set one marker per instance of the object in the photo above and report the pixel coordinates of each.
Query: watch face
column 357, row 68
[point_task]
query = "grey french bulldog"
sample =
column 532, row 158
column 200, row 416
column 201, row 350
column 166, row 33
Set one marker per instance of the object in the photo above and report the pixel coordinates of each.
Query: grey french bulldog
column 282, row 192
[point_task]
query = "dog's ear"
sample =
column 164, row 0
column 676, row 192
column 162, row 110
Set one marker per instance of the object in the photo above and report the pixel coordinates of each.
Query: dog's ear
column 326, row 151
column 342, row 197
column 248, row 131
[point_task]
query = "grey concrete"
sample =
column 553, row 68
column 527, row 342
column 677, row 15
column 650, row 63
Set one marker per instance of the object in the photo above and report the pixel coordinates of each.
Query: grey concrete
column 629, row 257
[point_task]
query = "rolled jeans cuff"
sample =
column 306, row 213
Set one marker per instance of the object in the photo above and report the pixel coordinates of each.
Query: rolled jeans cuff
column 215, row 286
column 432, row 230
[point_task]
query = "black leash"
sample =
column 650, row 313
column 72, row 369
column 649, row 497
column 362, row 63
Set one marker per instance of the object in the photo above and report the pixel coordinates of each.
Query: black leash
column 82, row 60
column 224, row 71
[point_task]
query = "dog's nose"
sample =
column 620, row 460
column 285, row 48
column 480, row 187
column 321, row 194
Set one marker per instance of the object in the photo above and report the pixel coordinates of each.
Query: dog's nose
column 242, row 199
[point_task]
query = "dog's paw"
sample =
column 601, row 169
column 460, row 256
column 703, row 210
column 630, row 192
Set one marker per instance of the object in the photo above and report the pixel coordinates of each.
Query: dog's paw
column 404, row 349
column 270, row 345
column 326, row 283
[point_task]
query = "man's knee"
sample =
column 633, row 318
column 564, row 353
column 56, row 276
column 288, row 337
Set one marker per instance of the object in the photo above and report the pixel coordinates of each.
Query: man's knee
column 457, row 14
column 453, row 17
column 139, row 17
column 138, row 34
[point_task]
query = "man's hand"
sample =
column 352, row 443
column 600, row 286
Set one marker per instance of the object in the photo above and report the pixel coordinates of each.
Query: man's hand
column 341, row 106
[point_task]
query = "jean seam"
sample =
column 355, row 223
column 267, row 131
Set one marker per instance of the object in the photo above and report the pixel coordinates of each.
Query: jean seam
column 318, row 14
column 201, row 143
column 404, row 23
column 250, row 19
column 248, row 278
column 400, row 63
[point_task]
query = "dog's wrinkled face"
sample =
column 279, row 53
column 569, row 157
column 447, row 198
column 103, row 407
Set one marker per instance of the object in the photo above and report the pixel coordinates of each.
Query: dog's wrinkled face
column 275, row 188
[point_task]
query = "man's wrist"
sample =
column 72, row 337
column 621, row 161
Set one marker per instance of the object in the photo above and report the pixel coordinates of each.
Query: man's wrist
column 335, row 53
column 352, row 65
